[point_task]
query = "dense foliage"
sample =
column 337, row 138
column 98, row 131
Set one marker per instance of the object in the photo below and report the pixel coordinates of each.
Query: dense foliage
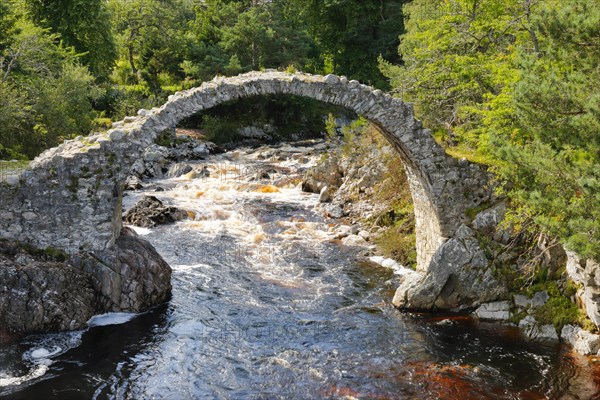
column 514, row 84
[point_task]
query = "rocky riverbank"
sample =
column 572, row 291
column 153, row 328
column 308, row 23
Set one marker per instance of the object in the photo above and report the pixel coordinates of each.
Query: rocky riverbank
column 498, row 274
column 49, row 291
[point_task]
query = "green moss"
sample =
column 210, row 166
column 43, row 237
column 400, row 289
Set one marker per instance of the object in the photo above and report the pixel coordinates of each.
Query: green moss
column 56, row 254
column 549, row 286
column 516, row 316
column 559, row 311
column 571, row 288
column 47, row 254
column 102, row 123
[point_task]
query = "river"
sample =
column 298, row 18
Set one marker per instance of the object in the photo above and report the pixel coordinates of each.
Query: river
column 268, row 305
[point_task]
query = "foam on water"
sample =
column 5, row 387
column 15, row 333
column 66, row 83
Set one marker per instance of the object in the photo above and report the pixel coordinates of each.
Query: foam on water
column 391, row 264
column 139, row 230
column 39, row 357
column 110, row 319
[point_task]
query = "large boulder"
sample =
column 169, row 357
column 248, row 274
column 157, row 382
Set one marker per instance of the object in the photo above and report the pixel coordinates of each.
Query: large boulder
column 132, row 277
column 40, row 293
column 532, row 330
column 458, row 276
column 495, row 311
column 187, row 148
column 150, row 212
column 49, row 291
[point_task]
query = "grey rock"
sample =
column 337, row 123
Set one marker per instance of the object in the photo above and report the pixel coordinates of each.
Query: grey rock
column 354, row 240
column 539, row 299
column 496, row 311
column 582, row 341
column 487, row 220
column 458, row 276
column 342, row 231
column 522, row 301
column 586, row 272
column 324, row 195
column 364, row 234
column 254, row 132
column 534, row 331
column 38, row 295
column 150, row 212
column 335, row 212
column 133, row 183
column 176, row 170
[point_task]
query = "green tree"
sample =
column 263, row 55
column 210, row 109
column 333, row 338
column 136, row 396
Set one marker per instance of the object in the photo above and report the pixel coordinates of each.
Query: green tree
column 552, row 158
column 514, row 84
column 352, row 34
column 152, row 36
column 82, row 24
column 46, row 95
column 237, row 36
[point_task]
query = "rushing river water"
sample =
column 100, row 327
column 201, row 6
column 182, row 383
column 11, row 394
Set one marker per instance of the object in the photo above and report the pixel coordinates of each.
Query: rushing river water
column 267, row 305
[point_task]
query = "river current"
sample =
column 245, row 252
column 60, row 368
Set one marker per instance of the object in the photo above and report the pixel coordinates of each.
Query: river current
column 267, row 304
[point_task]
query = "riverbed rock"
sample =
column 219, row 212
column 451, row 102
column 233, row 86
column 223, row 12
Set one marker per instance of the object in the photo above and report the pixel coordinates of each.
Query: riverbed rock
column 49, row 291
column 496, row 311
column 582, row 341
column 178, row 169
column 41, row 295
column 150, row 212
column 335, row 211
column 133, row 183
column 327, row 173
column 154, row 162
column 254, row 132
column 325, row 195
column 532, row 330
column 364, row 234
column 459, row 275
column 343, row 231
column 354, row 240
column 191, row 149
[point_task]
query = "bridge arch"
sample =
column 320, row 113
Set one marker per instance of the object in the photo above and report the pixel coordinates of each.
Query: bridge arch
column 70, row 197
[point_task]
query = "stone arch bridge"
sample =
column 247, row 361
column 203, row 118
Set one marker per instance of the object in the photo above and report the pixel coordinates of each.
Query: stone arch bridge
column 70, row 197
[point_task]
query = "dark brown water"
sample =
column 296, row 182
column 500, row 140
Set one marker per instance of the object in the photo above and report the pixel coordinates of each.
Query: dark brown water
column 266, row 306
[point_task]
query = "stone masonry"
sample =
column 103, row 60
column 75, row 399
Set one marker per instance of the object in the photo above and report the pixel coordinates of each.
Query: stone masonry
column 70, row 197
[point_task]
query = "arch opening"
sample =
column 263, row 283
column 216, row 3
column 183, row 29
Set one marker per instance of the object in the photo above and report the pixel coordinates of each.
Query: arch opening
column 82, row 179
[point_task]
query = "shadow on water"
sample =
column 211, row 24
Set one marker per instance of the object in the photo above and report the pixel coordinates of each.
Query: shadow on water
column 84, row 371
